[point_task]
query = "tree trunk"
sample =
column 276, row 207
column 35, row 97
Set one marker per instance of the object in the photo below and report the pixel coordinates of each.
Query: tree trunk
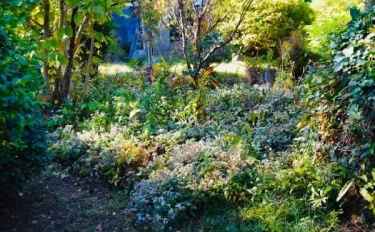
column 183, row 26
column 47, row 8
column 89, row 64
column 69, row 68
column 80, row 31
column 369, row 4
column 57, row 85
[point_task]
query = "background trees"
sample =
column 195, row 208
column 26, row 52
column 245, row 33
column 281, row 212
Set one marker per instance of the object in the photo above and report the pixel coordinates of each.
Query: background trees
column 269, row 22
column 66, row 25
column 331, row 16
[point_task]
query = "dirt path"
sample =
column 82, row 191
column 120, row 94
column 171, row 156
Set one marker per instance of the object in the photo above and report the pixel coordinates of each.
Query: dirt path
column 55, row 201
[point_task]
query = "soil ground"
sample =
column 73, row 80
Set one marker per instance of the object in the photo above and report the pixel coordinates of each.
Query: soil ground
column 54, row 201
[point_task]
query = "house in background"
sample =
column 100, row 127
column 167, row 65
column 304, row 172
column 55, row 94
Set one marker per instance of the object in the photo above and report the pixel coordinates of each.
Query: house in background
column 129, row 36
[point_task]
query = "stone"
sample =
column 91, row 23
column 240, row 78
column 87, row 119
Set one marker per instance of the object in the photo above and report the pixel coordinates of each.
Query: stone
column 269, row 77
column 253, row 75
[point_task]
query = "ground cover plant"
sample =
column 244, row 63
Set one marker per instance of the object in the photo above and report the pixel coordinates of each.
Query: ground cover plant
column 189, row 142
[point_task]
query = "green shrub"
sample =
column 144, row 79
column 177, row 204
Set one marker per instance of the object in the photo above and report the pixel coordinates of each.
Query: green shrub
column 341, row 97
column 272, row 21
column 331, row 16
column 22, row 138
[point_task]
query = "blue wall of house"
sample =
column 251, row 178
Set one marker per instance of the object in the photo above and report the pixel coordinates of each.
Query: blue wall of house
column 126, row 26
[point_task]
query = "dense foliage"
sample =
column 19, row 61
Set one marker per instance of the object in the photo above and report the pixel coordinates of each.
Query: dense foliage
column 270, row 22
column 22, row 146
column 196, row 149
column 72, row 38
column 341, row 96
column 331, row 16
column 183, row 152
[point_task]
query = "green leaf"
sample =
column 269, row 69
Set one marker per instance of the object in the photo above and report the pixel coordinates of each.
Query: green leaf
column 68, row 31
column 51, row 43
column 366, row 83
column 369, row 151
column 93, row 105
column 98, row 12
column 62, row 60
column 366, row 195
column 99, row 36
column 364, row 178
column 354, row 13
column 72, row 3
column 98, row 45
column 60, row 33
column 344, row 190
column 78, row 18
column 96, row 60
column 338, row 67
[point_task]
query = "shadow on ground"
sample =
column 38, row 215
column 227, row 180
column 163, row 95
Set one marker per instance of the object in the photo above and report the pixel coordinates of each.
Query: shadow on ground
column 54, row 201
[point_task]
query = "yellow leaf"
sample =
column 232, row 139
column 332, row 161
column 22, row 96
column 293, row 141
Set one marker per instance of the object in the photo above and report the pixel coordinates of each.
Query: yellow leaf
column 354, row 218
column 56, row 101
column 344, row 190
column 302, row 123
column 366, row 195
column 214, row 82
column 372, row 30
column 205, row 74
column 192, row 81
column 163, row 60
column 156, row 68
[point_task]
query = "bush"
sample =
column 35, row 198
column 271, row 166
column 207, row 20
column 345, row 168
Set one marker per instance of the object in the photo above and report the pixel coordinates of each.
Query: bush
column 111, row 156
column 156, row 205
column 181, row 151
column 272, row 21
column 22, row 139
column 341, row 97
column 331, row 16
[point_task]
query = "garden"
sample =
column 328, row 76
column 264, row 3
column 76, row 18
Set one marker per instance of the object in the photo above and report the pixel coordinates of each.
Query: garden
column 259, row 119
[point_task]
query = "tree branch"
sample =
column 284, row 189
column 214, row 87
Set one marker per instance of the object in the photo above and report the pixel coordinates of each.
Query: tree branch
column 232, row 35
column 80, row 31
column 34, row 21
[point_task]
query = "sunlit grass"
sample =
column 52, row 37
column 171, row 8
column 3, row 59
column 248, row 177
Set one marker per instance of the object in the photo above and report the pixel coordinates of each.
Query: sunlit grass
column 177, row 68
column 237, row 68
column 231, row 68
column 111, row 69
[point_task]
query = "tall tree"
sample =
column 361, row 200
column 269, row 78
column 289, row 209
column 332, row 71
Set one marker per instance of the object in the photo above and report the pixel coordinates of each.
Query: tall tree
column 66, row 26
column 200, row 23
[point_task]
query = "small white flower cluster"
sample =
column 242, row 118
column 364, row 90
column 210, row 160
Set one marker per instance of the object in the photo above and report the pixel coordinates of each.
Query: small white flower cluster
column 192, row 168
column 65, row 144
column 203, row 164
column 157, row 203
column 99, row 151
